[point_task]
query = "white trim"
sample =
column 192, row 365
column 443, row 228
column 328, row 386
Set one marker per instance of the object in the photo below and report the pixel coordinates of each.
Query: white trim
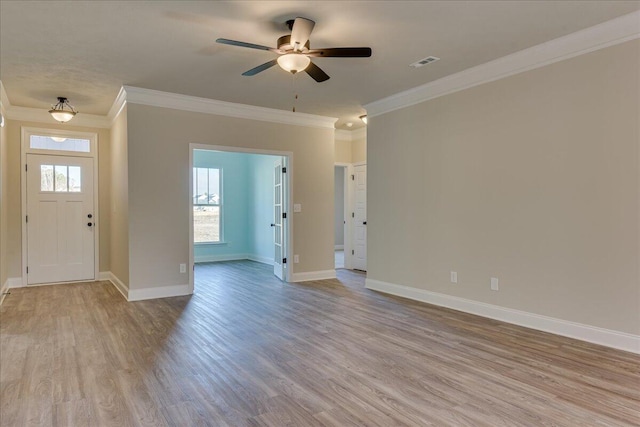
column 196, row 104
column 218, row 258
column 260, row 259
column 117, row 283
column 610, row 33
column 593, row 334
column 159, row 292
column 14, row 282
column 4, row 100
column 117, row 106
column 313, row 275
column 338, row 248
column 350, row 135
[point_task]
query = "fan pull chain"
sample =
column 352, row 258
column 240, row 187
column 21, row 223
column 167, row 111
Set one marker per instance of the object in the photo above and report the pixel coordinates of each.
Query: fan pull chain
column 295, row 92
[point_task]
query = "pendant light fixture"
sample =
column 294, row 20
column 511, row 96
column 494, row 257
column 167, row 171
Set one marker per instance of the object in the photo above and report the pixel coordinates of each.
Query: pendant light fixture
column 62, row 111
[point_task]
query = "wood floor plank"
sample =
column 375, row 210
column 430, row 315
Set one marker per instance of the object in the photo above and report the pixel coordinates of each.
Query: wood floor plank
column 249, row 350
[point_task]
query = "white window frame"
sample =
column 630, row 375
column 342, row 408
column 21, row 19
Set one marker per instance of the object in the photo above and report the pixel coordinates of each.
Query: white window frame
column 25, row 139
column 220, row 205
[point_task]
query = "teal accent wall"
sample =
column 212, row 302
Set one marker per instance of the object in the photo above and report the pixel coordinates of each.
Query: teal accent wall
column 261, row 206
column 235, row 203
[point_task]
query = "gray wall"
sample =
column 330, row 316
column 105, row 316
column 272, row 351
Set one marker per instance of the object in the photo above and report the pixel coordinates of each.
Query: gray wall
column 533, row 179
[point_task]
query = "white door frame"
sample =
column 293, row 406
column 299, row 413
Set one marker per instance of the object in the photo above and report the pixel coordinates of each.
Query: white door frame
column 348, row 190
column 352, row 205
column 288, row 225
column 25, row 133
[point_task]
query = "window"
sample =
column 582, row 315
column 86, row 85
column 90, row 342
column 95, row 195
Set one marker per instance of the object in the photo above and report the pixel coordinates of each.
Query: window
column 207, row 205
column 56, row 143
column 60, row 179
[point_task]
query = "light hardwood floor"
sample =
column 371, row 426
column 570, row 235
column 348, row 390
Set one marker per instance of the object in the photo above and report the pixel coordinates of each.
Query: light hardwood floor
column 248, row 350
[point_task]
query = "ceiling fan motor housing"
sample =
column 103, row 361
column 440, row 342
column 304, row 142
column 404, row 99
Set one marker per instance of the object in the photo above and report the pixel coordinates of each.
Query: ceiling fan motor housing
column 284, row 44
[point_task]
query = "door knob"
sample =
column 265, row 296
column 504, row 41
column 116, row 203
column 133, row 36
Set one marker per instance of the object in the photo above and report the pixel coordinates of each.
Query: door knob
column 89, row 216
column 273, row 225
column 364, row 222
column 89, row 224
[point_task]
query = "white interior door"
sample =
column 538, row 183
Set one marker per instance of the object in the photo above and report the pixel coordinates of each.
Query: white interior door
column 360, row 219
column 278, row 214
column 60, row 219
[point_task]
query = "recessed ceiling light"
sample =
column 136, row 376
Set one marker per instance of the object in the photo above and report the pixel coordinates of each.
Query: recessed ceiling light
column 349, row 124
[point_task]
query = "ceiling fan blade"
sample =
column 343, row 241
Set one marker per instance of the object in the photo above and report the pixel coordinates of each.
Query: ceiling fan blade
column 341, row 52
column 301, row 31
column 243, row 44
column 316, row 73
column 259, row 68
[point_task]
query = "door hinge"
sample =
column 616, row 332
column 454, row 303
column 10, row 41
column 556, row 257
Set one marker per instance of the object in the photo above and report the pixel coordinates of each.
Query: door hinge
column 27, row 270
column 27, row 218
column 284, row 260
column 284, row 215
column 284, row 170
column 353, row 177
column 353, row 252
column 25, row 168
column 353, row 215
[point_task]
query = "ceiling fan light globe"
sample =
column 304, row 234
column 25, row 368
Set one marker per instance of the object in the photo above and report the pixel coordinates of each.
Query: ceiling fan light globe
column 294, row 62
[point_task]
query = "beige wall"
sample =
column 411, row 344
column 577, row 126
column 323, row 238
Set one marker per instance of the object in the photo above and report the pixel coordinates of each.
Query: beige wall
column 119, row 209
column 359, row 148
column 351, row 146
column 533, row 179
column 4, row 271
column 342, row 150
column 14, row 203
column 159, row 188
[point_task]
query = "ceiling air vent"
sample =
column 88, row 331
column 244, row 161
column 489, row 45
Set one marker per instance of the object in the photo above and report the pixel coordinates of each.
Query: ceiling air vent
column 425, row 61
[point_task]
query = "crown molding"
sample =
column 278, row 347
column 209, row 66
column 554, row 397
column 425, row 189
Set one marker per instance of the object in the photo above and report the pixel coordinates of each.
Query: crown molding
column 195, row 104
column 350, row 135
column 4, row 100
column 609, row 33
column 117, row 106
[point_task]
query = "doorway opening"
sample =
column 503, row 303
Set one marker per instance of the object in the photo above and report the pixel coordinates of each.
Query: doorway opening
column 239, row 208
column 341, row 209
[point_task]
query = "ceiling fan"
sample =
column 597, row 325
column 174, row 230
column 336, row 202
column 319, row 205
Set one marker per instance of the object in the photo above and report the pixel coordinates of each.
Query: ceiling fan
column 295, row 52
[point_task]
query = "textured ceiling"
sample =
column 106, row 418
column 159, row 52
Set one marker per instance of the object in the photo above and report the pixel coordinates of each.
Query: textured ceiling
column 86, row 50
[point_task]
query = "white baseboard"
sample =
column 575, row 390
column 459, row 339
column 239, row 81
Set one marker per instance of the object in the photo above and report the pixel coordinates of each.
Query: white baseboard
column 159, row 292
column 593, row 334
column 313, row 275
column 116, row 282
column 15, row 282
column 216, row 258
column 338, row 247
column 260, row 259
column 3, row 290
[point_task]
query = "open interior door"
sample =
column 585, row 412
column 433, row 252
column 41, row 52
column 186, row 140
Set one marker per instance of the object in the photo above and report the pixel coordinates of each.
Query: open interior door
column 279, row 215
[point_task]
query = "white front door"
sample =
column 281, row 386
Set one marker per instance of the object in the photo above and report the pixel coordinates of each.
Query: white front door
column 360, row 219
column 60, row 219
column 278, row 228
